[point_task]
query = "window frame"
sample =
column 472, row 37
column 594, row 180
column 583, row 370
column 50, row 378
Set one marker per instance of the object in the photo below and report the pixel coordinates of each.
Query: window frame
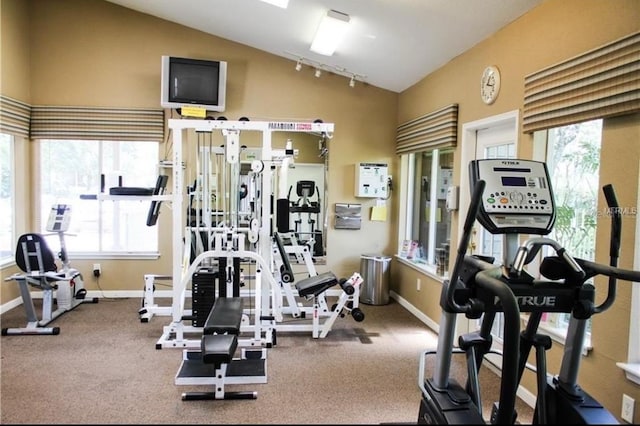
column 10, row 259
column 428, row 263
column 632, row 365
column 40, row 220
column 541, row 150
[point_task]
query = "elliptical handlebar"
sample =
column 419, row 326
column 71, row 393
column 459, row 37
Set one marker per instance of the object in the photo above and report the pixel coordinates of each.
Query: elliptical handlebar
column 616, row 223
column 612, row 271
column 476, row 201
column 615, row 273
column 614, row 248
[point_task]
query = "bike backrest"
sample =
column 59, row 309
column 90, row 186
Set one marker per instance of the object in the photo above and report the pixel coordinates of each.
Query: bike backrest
column 33, row 254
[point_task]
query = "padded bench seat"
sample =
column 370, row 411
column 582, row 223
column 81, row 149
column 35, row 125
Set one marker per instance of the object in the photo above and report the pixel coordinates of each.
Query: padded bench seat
column 221, row 329
column 218, row 348
column 225, row 316
column 130, row 190
column 315, row 285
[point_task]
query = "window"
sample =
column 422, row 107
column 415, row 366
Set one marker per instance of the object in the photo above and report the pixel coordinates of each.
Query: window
column 7, row 198
column 427, row 223
column 632, row 366
column 70, row 169
column 573, row 160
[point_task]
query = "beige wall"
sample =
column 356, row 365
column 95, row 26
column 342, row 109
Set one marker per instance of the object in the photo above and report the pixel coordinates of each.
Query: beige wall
column 15, row 81
column 555, row 31
column 94, row 53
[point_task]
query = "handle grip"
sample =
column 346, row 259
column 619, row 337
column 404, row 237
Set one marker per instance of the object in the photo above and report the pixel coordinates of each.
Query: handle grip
column 449, row 303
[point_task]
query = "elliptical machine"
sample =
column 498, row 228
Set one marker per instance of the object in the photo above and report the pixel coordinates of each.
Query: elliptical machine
column 511, row 197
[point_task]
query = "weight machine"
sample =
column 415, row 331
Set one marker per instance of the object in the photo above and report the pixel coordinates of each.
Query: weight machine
column 514, row 197
column 251, row 236
column 40, row 271
column 314, row 288
column 216, row 243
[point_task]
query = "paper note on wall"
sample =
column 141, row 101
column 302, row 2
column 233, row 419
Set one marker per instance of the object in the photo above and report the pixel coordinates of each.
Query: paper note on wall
column 193, row 111
column 379, row 213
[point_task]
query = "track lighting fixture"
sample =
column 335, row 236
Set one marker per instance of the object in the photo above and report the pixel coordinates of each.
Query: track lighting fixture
column 332, row 69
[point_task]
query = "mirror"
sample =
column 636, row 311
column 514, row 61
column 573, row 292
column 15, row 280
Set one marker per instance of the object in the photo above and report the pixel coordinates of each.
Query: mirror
column 303, row 184
column 306, row 186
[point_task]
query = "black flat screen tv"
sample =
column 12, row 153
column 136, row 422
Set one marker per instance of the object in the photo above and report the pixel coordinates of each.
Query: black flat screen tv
column 193, row 82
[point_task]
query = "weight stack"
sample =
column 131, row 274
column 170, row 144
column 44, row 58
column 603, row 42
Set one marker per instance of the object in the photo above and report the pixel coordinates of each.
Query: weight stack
column 203, row 294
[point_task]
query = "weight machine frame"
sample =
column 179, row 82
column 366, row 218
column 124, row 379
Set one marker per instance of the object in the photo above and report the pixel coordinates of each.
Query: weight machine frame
column 174, row 334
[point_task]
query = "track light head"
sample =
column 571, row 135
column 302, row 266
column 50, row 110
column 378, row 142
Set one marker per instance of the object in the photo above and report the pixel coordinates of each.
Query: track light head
column 352, row 82
column 318, row 73
column 299, row 65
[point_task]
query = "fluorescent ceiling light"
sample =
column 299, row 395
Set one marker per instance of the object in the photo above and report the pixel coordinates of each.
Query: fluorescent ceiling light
column 330, row 33
column 280, row 3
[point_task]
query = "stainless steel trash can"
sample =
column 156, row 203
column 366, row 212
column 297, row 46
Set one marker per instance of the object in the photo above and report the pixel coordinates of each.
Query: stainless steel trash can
column 374, row 269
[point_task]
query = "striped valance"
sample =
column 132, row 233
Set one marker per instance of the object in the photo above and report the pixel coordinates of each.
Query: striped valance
column 63, row 122
column 600, row 83
column 14, row 116
column 438, row 129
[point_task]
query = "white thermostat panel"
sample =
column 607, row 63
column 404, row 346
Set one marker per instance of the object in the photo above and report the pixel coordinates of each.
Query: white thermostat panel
column 372, row 180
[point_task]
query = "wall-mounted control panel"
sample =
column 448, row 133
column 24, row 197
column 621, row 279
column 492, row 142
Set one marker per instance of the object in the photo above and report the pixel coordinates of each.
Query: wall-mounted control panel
column 372, row 180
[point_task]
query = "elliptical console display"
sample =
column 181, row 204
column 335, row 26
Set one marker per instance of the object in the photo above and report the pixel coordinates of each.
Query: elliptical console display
column 517, row 197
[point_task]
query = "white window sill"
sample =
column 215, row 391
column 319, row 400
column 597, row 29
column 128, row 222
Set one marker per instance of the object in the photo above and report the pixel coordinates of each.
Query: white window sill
column 632, row 371
column 422, row 266
column 5, row 263
column 114, row 255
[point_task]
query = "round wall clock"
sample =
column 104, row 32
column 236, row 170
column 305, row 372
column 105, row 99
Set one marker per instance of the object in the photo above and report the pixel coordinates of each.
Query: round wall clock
column 490, row 84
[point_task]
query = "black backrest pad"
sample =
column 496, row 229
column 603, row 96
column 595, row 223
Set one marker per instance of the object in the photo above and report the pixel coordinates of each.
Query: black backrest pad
column 225, row 316
column 34, row 243
column 283, row 255
column 154, row 209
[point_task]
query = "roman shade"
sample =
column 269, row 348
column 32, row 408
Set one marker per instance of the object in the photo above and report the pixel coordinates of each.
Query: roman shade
column 14, row 116
column 92, row 123
column 600, row 83
column 438, row 129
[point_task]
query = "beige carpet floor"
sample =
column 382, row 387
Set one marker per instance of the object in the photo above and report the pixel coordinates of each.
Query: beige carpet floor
column 104, row 368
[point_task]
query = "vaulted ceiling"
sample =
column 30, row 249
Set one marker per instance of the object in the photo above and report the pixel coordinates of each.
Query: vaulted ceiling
column 391, row 44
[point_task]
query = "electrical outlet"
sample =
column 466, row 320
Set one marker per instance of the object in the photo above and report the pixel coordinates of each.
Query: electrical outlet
column 627, row 408
column 96, row 270
column 418, row 284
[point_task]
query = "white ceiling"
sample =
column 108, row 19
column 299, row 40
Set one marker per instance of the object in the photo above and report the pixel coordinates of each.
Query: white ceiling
column 391, row 44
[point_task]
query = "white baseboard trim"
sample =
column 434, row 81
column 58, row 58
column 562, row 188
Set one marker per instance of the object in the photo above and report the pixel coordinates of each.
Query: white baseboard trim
column 524, row 394
column 10, row 305
column 117, row 294
column 416, row 312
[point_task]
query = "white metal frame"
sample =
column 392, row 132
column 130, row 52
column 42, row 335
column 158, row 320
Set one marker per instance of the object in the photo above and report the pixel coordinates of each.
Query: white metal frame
column 174, row 334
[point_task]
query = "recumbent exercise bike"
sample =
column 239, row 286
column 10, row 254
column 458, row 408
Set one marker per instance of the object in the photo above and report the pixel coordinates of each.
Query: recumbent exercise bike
column 513, row 197
column 62, row 289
